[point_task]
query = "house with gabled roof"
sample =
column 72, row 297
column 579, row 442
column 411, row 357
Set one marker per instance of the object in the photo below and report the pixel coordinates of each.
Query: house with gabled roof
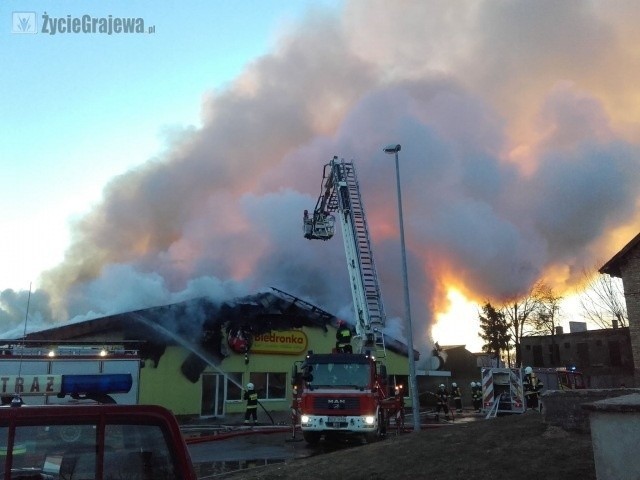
column 626, row 265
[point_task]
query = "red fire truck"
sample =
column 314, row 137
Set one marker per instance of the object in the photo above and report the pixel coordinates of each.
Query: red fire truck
column 136, row 442
column 347, row 393
column 344, row 394
column 91, row 440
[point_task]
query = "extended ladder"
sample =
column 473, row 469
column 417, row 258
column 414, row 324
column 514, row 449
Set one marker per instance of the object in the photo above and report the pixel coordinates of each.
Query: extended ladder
column 342, row 195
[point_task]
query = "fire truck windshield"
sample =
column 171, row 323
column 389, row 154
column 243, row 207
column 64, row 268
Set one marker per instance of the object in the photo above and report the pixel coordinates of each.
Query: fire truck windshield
column 339, row 375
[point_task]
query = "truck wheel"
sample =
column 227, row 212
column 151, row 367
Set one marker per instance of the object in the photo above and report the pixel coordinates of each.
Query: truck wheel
column 381, row 430
column 373, row 436
column 383, row 420
column 311, row 438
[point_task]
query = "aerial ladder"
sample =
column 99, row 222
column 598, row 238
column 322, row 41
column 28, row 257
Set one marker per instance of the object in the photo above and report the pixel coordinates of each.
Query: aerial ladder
column 340, row 194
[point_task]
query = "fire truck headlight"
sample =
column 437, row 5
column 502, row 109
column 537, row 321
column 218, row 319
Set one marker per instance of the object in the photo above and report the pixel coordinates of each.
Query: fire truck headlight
column 369, row 420
column 304, row 418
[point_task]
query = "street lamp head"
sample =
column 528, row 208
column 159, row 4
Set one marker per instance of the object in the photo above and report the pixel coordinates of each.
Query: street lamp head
column 392, row 148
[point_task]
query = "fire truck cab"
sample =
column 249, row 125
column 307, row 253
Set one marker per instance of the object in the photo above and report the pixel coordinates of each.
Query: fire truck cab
column 91, row 442
column 561, row 378
column 85, row 439
column 343, row 394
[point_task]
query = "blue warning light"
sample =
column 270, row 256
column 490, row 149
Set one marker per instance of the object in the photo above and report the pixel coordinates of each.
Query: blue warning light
column 94, row 384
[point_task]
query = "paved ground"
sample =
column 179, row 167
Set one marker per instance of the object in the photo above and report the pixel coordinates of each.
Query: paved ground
column 519, row 447
column 226, row 447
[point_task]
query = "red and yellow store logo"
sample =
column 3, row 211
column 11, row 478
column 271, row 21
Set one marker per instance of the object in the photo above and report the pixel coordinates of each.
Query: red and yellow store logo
column 283, row 342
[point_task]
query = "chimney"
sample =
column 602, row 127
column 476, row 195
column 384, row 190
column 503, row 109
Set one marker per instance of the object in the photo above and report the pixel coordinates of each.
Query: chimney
column 575, row 327
column 559, row 330
column 614, row 323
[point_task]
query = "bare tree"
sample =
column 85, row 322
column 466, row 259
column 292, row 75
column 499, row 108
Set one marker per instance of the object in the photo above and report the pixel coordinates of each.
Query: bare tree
column 547, row 317
column 519, row 313
column 548, row 312
column 602, row 300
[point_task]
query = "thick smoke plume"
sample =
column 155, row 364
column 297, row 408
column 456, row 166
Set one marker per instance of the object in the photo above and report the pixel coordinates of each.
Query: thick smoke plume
column 519, row 130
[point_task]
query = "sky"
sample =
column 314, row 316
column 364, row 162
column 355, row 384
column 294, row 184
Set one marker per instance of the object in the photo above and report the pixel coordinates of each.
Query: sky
column 140, row 169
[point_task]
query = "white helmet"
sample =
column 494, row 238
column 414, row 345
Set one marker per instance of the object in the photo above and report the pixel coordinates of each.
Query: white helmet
column 528, row 371
column 249, row 386
column 442, row 385
column 473, row 384
column 454, row 384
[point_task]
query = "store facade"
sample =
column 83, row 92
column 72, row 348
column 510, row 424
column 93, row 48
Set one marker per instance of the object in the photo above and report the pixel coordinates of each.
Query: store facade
column 195, row 357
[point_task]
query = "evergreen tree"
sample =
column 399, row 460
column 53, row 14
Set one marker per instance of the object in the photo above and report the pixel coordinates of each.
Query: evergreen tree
column 494, row 330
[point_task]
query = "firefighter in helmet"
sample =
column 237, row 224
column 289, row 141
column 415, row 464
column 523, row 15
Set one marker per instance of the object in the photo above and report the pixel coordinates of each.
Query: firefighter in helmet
column 532, row 388
column 457, row 396
column 251, row 396
column 308, row 225
column 442, row 399
column 343, row 338
column 476, row 396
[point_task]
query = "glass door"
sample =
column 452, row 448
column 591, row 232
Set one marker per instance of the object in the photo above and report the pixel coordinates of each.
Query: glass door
column 213, row 395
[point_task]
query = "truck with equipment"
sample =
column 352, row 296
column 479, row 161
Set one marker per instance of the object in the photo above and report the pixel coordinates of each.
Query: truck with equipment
column 342, row 393
column 502, row 391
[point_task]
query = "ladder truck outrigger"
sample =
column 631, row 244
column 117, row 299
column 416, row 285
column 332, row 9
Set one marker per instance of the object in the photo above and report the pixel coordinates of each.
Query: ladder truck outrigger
column 340, row 393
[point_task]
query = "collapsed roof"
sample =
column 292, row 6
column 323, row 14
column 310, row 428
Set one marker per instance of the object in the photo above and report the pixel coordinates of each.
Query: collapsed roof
column 200, row 325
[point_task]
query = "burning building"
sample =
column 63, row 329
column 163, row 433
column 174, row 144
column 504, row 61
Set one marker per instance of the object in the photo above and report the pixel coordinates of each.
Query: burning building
column 193, row 357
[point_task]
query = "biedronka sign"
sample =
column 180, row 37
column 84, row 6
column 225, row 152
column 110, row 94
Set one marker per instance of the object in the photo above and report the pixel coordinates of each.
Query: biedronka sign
column 282, row 342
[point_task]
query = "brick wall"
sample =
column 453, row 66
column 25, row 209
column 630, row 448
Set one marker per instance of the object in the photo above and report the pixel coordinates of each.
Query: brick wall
column 630, row 271
column 597, row 367
column 564, row 408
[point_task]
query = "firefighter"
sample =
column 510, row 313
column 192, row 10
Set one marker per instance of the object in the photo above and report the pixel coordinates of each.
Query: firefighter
column 532, row 387
column 476, row 396
column 251, row 396
column 457, row 396
column 343, row 338
column 308, row 225
column 442, row 402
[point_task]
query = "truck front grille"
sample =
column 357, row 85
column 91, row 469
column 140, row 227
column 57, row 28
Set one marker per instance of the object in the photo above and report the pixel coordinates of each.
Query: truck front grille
column 336, row 404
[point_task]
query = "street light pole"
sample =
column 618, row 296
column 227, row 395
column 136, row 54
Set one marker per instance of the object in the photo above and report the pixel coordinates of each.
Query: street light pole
column 415, row 401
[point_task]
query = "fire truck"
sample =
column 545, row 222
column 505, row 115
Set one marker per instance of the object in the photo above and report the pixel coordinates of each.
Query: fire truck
column 341, row 393
column 503, row 388
column 136, row 442
column 561, row 378
column 28, row 367
column 59, row 418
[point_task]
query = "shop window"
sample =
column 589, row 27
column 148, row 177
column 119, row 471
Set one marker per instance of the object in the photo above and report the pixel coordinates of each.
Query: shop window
column 234, row 384
column 270, row 385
